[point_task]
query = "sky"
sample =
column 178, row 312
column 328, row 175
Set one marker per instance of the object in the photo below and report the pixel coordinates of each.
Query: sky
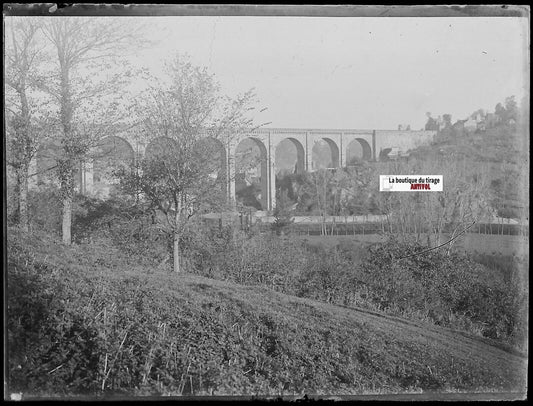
column 361, row 73
column 350, row 72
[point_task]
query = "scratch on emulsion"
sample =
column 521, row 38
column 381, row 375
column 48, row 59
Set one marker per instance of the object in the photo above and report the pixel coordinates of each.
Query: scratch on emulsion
column 212, row 41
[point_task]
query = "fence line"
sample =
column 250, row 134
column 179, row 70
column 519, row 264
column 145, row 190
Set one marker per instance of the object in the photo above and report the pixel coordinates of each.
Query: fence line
column 371, row 224
column 346, row 228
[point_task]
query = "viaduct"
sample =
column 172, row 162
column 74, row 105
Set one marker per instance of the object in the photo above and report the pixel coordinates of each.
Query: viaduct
column 372, row 145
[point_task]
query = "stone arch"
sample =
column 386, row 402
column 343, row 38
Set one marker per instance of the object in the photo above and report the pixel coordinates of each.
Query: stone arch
column 111, row 154
column 159, row 147
column 282, row 152
column 212, row 153
column 250, row 155
column 318, row 158
column 357, row 150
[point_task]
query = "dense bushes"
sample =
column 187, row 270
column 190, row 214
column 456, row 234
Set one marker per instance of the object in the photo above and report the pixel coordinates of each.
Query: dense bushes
column 127, row 226
column 76, row 327
column 447, row 289
column 85, row 319
column 44, row 208
column 53, row 345
column 81, row 320
column 118, row 222
column 450, row 290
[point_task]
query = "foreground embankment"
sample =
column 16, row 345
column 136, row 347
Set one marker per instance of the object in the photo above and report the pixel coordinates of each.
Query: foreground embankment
column 87, row 320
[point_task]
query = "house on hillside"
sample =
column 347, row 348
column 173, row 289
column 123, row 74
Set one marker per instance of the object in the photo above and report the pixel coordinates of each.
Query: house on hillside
column 431, row 124
column 440, row 123
column 404, row 127
column 458, row 128
column 491, row 120
column 392, row 154
column 476, row 122
column 470, row 125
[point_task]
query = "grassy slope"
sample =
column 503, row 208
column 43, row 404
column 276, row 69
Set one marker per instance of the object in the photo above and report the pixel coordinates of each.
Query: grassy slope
column 497, row 145
column 223, row 338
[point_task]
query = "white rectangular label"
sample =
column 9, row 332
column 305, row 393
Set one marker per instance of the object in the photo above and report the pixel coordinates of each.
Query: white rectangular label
column 410, row 183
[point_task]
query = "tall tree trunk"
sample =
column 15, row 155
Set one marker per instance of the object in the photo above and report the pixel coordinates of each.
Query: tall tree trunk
column 22, row 175
column 67, row 220
column 16, row 198
column 66, row 172
column 176, row 237
column 23, row 199
column 66, row 168
column 176, row 252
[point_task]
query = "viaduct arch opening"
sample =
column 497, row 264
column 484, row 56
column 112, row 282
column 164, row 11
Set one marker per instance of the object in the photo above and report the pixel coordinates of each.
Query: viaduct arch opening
column 289, row 157
column 211, row 153
column 160, row 147
column 207, row 152
column 325, row 154
column 358, row 150
column 111, row 154
column 251, row 173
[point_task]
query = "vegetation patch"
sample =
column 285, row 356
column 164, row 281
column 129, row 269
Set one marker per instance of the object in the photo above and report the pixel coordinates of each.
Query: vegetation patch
column 82, row 321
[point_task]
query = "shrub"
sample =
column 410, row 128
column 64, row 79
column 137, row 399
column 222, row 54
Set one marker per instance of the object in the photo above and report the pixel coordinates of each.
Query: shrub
column 44, row 209
column 52, row 345
column 445, row 287
column 82, row 320
column 246, row 258
column 201, row 247
column 12, row 209
column 131, row 228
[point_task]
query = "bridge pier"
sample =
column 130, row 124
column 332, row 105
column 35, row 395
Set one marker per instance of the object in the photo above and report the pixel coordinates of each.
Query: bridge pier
column 308, row 153
column 374, row 155
column 271, row 205
column 342, row 153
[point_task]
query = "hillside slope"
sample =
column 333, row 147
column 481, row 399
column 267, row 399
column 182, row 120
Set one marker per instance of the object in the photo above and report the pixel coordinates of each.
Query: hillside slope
column 501, row 153
column 86, row 318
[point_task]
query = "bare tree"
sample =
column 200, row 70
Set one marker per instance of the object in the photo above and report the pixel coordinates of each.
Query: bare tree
column 321, row 180
column 187, row 124
column 26, row 113
column 355, row 186
column 85, row 90
column 465, row 199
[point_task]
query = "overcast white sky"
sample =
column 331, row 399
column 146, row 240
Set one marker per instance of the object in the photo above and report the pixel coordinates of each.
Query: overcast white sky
column 367, row 73
column 351, row 72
